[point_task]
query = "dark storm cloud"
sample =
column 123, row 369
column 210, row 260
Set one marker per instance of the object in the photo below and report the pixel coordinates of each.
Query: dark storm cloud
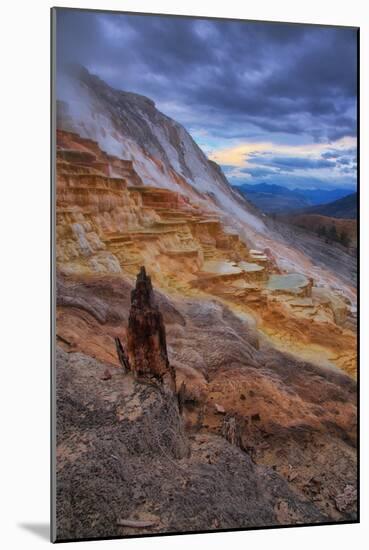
column 344, row 160
column 232, row 79
column 331, row 154
column 294, row 163
column 258, row 172
column 338, row 170
column 342, row 156
column 347, row 170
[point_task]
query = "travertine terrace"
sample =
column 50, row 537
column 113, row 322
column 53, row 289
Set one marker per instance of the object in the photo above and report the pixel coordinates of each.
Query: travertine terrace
column 109, row 222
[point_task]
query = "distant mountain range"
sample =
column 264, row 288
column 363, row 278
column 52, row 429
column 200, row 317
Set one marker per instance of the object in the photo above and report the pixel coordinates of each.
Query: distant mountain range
column 271, row 198
column 345, row 208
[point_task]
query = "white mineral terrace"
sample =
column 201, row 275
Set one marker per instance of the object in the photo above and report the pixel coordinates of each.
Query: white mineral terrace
column 258, row 255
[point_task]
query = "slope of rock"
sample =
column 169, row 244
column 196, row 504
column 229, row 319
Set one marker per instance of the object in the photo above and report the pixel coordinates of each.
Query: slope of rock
column 129, row 126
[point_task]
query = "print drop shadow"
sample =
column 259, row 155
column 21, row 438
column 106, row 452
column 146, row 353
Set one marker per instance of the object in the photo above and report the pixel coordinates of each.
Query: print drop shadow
column 42, row 530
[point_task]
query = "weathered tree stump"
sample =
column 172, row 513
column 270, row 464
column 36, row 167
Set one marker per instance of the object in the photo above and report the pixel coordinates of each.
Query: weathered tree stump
column 147, row 348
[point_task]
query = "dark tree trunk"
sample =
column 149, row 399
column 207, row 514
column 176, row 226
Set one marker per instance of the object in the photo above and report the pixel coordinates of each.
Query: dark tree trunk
column 147, row 349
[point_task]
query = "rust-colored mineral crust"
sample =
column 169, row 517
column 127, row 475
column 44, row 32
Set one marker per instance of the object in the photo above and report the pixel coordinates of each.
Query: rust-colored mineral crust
column 147, row 347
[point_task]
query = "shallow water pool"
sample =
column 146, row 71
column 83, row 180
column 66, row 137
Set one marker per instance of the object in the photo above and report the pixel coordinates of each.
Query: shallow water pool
column 290, row 281
column 247, row 266
column 221, row 267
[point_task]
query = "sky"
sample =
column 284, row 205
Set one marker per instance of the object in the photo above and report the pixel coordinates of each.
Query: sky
column 271, row 103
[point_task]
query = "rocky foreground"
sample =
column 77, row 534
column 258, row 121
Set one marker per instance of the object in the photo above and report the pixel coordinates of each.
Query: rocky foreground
column 249, row 437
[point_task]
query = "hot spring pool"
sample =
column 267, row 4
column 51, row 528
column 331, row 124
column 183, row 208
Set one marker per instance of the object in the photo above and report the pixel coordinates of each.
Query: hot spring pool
column 249, row 267
column 291, row 281
column 221, row 267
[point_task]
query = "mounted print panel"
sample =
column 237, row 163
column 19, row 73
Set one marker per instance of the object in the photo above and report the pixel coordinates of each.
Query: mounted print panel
column 205, row 253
